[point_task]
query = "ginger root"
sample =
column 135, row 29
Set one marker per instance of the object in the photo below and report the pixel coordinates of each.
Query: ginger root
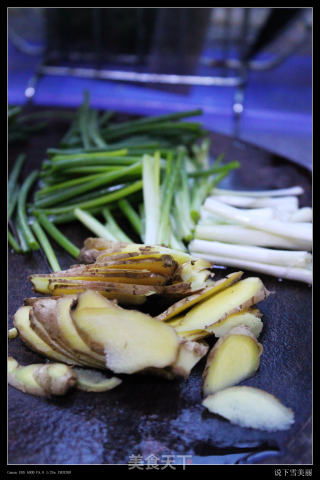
column 191, row 300
column 250, row 407
column 234, row 357
column 249, row 318
column 190, row 353
column 12, row 333
column 41, row 379
column 221, row 305
column 130, row 340
column 93, row 381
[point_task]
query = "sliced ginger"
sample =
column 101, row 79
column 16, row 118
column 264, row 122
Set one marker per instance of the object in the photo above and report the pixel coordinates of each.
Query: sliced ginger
column 194, row 272
column 90, row 299
column 93, row 381
column 95, row 273
column 190, row 353
column 69, row 336
column 128, row 273
column 221, row 305
column 162, row 264
column 130, row 340
column 32, row 339
column 12, row 333
column 233, row 358
column 94, row 247
column 82, row 323
column 51, row 332
column 250, row 319
column 125, row 294
column 188, row 302
column 250, row 407
column 22, row 378
column 54, row 283
column 41, row 379
column 126, row 299
column 55, row 378
column 42, row 321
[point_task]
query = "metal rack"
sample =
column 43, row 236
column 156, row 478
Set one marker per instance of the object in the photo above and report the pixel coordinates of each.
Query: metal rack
column 135, row 66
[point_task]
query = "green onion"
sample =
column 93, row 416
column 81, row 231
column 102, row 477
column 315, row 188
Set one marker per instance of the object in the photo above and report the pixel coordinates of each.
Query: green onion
column 84, row 120
column 83, row 154
column 214, row 169
column 95, row 194
column 14, row 244
column 94, row 225
column 73, row 129
column 279, row 271
column 111, row 197
column 67, row 152
column 280, row 192
column 94, row 130
column 291, row 230
column 105, row 117
column 97, row 181
column 47, row 114
column 69, row 183
column 164, row 229
column 155, row 119
column 46, row 246
column 183, row 222
column 22, row 216
column 203, row 186
column 131, row 215
column 15, row 174
column 142, row 213
column 23, row 242
column 172, row 128
column 13, row 201
column 114, row 227
column 163, row 159
column 61, row 239
column 69, row 216
column 13, row 111
column 107, row 160
column 151, row 197
column 91, row 169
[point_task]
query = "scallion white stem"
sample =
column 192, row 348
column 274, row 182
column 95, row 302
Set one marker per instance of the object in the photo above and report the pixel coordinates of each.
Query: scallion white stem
column 151, row 197
column 290, row 273
column 166, row 201
column 207, row 216
column 295, row 231
column 288, row 204
column 302, row 215
column 247, row 236
column 142, row 215
column 176, row 244
column 113, row 227
column 175, row 241
column 296, row 190
column 299, row 259
column 94, row 225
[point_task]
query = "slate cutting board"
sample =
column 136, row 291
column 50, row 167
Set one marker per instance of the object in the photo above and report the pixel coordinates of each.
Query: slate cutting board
column 148, row 415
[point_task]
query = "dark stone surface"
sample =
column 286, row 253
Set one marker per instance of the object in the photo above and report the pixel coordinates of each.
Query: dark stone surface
column 148, row 415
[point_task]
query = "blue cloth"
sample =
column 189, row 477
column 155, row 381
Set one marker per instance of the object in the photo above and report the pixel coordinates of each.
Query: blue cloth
column 277, row 110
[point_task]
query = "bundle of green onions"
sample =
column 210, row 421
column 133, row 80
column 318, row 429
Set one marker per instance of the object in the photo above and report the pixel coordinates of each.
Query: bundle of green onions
column 154, row 172
column 21, row 125
column 25, row 233
column 18, row 129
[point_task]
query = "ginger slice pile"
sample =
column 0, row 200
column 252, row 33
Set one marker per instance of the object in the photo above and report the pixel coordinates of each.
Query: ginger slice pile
column 128, row 273
column 90, row 318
